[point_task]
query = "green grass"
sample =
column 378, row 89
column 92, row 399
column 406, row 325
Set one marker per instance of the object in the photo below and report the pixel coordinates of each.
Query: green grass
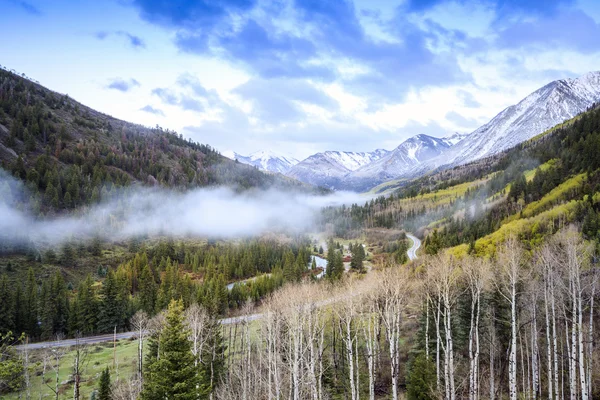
column 98, row 358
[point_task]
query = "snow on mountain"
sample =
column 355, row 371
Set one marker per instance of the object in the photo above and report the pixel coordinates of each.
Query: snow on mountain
column 455, row 138
column 541, row 110
column 330, row 167
column 266, row 160
column 409, row 154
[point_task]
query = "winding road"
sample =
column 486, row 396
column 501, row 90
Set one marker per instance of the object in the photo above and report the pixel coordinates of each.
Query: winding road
column 412, row 252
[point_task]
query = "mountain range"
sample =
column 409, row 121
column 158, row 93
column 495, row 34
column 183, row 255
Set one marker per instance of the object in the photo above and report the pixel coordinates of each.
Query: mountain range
column 265, row 160
column 546, row 107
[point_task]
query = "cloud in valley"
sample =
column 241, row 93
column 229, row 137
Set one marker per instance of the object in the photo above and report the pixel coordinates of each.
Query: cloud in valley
column 219, row 213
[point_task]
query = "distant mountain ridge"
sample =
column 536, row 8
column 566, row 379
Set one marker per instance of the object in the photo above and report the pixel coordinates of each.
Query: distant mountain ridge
column 329, row 168
column 541, row 110
column 413, row 151
column 266, row 160
column 546, row 107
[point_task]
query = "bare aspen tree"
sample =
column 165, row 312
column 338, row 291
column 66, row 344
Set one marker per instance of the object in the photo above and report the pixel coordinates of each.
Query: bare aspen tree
column 492, row 372
column 547, row 260
column 477, row 274
column 593, row 283
column 26, row 369
column 126, row 389
column 394, row 291
column 80, row 351
column 271, row 329
column 444, row 274
column 139, row 323
column 438, row 342
column 427, row 301
column 347, row 314
column 510, row 262
column 535, row 369
column 57, row 353
column 370, row 335
column 197, row 319
column 314, row 336
column 576, row 256
column 433, row 296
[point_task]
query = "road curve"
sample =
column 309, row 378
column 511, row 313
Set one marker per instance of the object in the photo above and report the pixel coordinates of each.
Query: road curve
column 412, row 252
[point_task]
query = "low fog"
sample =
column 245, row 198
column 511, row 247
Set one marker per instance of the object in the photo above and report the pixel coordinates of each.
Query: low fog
column 207, row 212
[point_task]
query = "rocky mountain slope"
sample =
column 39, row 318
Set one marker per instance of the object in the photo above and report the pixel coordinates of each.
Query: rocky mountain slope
column 408, row 156
column 266, row 160
column 329, row 168
column 541, row 110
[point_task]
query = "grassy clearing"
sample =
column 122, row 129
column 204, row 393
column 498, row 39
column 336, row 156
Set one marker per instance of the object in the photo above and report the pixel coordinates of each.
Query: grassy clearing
column 98, row 357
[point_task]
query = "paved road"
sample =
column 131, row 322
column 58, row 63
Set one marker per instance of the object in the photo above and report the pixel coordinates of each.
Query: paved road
column 120, row 336
column 72, row 342
column 412, row 252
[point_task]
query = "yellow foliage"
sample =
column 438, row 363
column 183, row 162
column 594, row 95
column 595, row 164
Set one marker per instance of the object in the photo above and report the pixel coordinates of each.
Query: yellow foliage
column 533, row 229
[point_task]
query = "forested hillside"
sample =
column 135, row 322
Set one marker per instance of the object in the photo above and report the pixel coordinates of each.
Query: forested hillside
column 530, row 190
column 72, row 155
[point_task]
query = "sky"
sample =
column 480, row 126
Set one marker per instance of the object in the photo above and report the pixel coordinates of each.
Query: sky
column 300, row 76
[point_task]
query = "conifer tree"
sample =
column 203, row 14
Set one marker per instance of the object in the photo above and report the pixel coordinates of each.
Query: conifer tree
column 113, row 307
column 6, row 306
column 104, row 390
column 30, row 315
column 172, row 374
column 147, row 290
column 87, row 307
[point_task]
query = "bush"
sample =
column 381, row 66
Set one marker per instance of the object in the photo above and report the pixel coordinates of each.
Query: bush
column 420, row 382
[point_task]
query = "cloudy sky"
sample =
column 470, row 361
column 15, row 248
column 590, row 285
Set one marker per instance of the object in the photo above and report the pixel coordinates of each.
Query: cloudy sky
column 300, row 76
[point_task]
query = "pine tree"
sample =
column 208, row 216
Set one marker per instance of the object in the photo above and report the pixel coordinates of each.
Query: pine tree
column 104, row 390
column 113, row 305
column 420, row 382
column 172, row 374
column 148, row 289
column 87, row 307
column 30, row 315
column 61, row 301
column 330, row 268
column 6, row 306
column 47, row 311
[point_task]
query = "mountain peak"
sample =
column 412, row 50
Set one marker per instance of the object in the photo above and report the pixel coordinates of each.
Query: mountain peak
column 266, row 160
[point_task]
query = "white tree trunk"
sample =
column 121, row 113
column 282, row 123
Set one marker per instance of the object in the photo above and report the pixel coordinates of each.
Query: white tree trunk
column 512, row 358
column 548, row 341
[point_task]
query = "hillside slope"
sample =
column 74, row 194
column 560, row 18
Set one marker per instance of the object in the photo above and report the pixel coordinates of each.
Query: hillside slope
column 529, row 191
column 73, row 155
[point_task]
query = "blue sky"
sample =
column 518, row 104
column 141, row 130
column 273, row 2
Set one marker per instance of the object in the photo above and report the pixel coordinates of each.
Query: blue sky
column 300, row 76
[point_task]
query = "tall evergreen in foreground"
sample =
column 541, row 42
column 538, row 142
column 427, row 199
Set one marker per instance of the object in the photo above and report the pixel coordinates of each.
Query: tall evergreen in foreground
column 170, row 373
column 104, row 391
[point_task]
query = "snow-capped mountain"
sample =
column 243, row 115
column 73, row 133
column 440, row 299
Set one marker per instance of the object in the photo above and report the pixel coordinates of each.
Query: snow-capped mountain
column 541, row 110
column 330, row 167
column 410, row 153
column 266, row 160
column 455, row 138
